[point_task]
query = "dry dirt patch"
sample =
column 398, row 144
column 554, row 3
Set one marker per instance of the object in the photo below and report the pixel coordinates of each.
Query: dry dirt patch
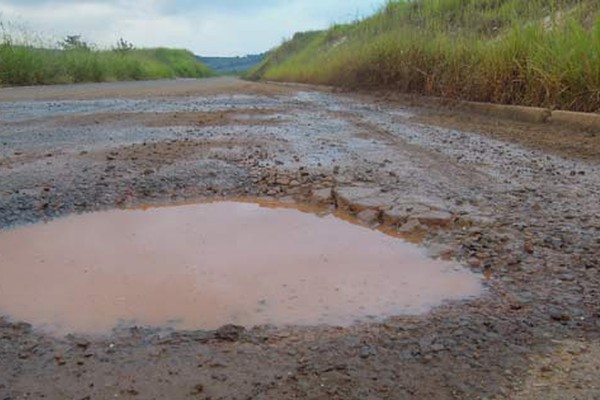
column 560, row 140
column 143, row 89
column 240, row 117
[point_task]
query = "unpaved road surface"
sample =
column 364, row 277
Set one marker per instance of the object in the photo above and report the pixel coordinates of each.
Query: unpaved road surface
column 523, row 212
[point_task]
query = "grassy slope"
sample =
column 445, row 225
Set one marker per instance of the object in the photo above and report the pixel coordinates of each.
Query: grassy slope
column 542, row 53
column 29, row 65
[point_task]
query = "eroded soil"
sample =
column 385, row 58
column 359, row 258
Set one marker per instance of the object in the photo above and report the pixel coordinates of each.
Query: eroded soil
column 525, row 214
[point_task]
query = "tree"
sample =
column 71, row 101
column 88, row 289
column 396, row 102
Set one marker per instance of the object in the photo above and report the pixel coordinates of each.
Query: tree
column 123, row 46
column 74, row 42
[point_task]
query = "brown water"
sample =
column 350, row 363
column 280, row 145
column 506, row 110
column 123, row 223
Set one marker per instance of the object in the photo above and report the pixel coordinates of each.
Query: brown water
column 205, row 265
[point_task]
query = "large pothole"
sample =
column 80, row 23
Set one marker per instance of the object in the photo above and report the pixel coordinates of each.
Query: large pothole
column 205, row 265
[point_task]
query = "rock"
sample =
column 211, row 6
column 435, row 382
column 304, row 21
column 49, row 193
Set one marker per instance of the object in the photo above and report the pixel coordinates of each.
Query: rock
column 230, row 333
column 437, row 250
column 219, row 377
column 22, row 327
column 359, row 198
column 395, row 216
column 567, row 277
column 425, row 202
column 476, row 220
column 381, row 201
column 367, row 351
column 411, row 227
column 322, row 196
column 349, row 194
column 406, row 206
column 559, row 315
column 287, row 200
column 59, row 359
column 283, row 181
column 198, row 389
column 368, row 216
column 474, row 262
column 435, row 219
column 82, row 343
column 528, row 247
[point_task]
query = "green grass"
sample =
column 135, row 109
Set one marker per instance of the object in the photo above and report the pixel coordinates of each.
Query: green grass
column 537, row 53
column 33, row 64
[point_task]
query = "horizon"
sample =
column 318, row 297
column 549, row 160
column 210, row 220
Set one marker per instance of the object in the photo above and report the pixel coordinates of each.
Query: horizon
column 231, row 28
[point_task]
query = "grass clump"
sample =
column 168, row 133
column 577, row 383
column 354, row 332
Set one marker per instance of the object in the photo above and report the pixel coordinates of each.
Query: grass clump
column 536, row 53
column 27, row 62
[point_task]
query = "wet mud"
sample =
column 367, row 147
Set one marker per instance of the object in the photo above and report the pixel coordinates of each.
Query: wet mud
column 524, row 215
column 208, row 265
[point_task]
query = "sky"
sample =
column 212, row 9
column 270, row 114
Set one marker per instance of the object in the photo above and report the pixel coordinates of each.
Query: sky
column 207, row 27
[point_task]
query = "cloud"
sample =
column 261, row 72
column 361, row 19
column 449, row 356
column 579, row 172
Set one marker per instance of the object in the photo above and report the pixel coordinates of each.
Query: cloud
column 225, row 27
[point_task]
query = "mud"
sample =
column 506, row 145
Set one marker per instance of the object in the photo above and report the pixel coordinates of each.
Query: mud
column 208, row 265
column 523, row 214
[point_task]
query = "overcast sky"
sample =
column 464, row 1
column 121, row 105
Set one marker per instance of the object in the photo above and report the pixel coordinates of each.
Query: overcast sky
column 207, row 27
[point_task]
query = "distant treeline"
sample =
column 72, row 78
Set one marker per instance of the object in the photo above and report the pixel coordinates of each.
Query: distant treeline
column 536, row 52
column 232, row 65
column 73, row 60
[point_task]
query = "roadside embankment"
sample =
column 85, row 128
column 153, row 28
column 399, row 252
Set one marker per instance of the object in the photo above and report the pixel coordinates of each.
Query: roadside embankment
column 507, row 52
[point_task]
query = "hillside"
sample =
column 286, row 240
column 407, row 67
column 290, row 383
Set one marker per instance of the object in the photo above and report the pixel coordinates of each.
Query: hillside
column 22, row 64
column 538, row 53
column 232, row 65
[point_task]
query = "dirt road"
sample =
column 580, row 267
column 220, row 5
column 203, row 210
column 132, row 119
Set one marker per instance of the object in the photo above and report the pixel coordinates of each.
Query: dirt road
column 518, row 203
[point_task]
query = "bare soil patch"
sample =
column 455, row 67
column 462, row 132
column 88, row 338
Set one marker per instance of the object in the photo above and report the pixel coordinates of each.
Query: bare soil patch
column 143, row 89
column 570, row 142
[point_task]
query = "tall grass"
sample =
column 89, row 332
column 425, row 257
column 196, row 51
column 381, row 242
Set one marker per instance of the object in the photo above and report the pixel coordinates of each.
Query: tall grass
column 30, row 62
column 539, row 53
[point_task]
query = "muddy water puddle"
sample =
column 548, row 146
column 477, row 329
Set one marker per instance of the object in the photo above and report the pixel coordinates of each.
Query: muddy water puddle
column 205, row 265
